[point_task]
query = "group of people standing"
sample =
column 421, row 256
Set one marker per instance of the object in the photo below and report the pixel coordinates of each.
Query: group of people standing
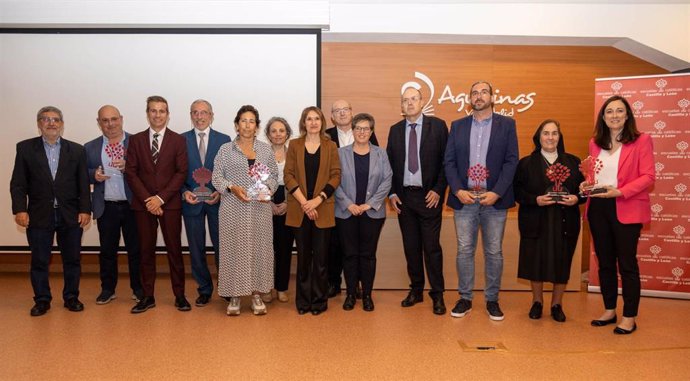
column 326, row 190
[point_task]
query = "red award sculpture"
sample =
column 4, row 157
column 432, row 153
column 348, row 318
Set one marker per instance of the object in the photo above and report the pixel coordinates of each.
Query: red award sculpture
column 557, row 174
column 590, row 167
column 478, row 174
column 259, row 191
column 114, row 151
column 202, row 176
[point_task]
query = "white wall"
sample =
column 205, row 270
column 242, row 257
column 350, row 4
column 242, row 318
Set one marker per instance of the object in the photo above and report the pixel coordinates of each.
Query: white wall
column 659, row 30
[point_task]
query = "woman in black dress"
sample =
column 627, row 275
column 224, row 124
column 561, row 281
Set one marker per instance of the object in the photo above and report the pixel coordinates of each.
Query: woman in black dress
column 549, row 228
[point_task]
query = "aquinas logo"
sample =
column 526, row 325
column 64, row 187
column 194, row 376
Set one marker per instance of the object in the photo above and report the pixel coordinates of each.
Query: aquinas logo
column 503, row 104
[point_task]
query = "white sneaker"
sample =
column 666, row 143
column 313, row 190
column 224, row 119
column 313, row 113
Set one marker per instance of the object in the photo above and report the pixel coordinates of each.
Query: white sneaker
column 258, row 305
column 267, row 297
column 234, row 306
column 283, row 297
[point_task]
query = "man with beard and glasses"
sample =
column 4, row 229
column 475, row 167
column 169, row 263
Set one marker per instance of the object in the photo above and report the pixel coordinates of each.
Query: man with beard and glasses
column 486, row 142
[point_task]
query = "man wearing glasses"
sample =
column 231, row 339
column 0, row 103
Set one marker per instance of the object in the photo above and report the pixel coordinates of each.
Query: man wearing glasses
column 341, row 134
column 48, row 202
column 199, row 205
column 416, row 146
column 156, row 168
column 486, row 142
column 111, row 198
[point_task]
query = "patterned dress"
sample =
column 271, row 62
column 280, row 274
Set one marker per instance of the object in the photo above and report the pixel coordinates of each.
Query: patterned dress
column 246, row 234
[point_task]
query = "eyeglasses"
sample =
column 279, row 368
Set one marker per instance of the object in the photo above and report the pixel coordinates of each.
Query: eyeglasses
column 200, row 113
column 109, row 120
column 339, row 110
column 362, row 129
column 411, row 100
column 47, row 119
column 482, row 92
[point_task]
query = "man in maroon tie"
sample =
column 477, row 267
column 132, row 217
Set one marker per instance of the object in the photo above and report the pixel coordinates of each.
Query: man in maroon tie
column 156, row 169
column 416, row 147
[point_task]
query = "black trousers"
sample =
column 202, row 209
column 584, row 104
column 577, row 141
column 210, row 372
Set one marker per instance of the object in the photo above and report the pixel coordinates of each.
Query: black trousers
column 615, row 243
column 118, row 217
column 282, row 250
column 312, row 266
column 359, row 237
column 335, row 259
column 421, row 234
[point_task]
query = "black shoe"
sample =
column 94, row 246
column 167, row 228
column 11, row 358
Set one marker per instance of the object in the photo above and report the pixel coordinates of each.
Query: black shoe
column 333, row 290
column 358, row 292
column 494, row 311
column 557, row 313
column 137, row 296
column 350, row 301
column 182, row 304
column 367, row 303
column 412, row 299
column 317, row 312
column 623, row 331
column 302, row 311
column 74, row 305
column 439, row 306
column 40, row 308
column 601, row 323
column 462, row 308
column 536, row 310
column 105, row 297
column 144, row 304
column 202, row 300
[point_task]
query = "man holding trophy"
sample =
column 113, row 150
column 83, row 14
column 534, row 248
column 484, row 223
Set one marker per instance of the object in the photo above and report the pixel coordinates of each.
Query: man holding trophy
column 200, row 198
column 480, row 162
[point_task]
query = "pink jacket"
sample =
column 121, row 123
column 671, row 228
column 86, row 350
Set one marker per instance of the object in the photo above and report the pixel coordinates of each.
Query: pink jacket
column 635, row 177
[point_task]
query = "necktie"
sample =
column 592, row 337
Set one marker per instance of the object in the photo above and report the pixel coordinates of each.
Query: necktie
column 202, row 147
column 412, row 159
column 154, row 148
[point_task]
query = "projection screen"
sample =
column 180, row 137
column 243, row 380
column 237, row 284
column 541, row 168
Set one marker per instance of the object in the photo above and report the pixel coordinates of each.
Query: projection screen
column 80, row 70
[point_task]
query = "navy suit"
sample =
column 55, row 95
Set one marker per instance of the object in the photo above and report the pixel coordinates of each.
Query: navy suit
column 113, row 217
column 53, row 206
column 195, row 216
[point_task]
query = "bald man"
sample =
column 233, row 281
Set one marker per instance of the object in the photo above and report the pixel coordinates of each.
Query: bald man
column 111, row 199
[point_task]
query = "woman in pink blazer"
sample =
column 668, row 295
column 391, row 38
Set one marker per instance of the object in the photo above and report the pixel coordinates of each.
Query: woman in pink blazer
column 616, row 215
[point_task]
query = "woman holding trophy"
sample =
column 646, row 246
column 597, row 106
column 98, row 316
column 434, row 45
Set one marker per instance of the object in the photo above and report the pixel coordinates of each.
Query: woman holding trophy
column 312, row 173
column 549, row 216
column 622, row 167
column 246, row 174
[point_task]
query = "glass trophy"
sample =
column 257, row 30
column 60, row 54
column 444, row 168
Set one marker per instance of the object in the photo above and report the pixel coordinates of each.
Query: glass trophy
column 478, row 174
column 114, row 151
column 259, row 191
column 590, row 167
column 557, row 174
column 202, row 176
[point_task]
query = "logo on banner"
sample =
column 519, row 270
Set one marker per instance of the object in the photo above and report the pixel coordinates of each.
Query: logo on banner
column 679, row 230
column 616, row 87
column 660, row 84
column 507, row 105
column 682, row 146
column 660, row 125
column 683, row 104
column 656, row 209
column 655, row 250
column 658, row 167
column 677, row 273
column 680, row 188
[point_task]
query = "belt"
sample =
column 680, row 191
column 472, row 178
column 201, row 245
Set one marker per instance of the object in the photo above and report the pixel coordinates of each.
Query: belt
column 413, row 188
column 121, row 202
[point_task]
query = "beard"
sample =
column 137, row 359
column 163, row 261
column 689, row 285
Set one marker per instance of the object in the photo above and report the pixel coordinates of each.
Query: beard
column 484, row 106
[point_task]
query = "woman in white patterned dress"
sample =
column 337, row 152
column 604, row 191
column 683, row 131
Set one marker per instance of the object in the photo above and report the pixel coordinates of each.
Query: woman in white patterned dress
column 246, row 237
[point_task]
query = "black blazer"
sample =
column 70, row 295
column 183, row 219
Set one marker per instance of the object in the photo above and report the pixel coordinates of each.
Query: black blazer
column 431, row 153
column 333, row 133
column 33, row 189
column 531, row 181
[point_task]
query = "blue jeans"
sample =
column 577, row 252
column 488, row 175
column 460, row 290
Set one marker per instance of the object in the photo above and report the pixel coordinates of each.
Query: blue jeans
column 467, row 223
column 195, row 226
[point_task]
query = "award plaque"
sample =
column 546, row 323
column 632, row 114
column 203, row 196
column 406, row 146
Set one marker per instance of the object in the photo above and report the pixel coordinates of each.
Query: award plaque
column 114, row 151
column 590, row 167
column 202, row 176
column 478, row 174
column 557, row 174
column 259, row 191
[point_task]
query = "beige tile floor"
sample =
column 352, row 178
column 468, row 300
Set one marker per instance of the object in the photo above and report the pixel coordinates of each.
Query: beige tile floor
column 108, row 343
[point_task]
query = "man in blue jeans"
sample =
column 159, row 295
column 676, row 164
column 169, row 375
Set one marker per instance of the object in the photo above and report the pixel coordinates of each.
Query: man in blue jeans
column 486, row 142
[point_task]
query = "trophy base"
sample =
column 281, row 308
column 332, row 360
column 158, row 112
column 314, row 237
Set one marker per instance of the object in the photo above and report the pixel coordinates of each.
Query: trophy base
column 591, row 191
column 557, row 196
column 202, row 194
column 478, row 194
column 259, row 194
column 112, row 172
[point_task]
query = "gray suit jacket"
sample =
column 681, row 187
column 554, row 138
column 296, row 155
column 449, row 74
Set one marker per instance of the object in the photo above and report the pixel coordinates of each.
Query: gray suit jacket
column 378, row 186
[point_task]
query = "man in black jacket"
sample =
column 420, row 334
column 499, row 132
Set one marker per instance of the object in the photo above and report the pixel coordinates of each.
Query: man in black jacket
column 50, row 196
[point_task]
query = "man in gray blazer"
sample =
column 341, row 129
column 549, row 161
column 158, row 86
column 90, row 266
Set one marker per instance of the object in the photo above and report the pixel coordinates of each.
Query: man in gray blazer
column 105, row 157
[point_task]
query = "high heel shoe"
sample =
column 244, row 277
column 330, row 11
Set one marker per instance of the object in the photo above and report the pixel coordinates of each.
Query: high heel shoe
column 601, row 323
column 623, row 331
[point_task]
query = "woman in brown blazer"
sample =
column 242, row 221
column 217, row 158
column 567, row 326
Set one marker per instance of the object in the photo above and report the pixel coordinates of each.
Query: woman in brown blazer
column 312, row 173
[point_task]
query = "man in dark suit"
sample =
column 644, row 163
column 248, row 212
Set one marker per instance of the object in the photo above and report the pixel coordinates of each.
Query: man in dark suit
column 483, row 140
column 416, row 146
column 341, row 134
column 201, row 139
column 156, row 168
column 111, row 198
column 50, row 196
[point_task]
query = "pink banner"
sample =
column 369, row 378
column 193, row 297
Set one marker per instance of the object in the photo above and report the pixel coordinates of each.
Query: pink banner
column 661, row 105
